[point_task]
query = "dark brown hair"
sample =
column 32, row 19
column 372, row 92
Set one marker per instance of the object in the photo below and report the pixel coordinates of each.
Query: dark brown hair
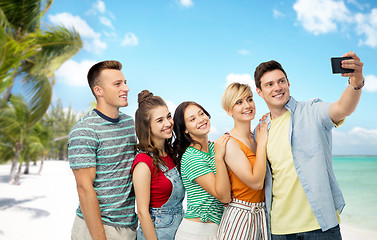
column 266, row 67
column 96, row 69
column 147, row 102
column 182, row 139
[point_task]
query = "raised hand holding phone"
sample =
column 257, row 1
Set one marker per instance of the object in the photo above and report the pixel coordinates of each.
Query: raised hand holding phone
column 356, row 78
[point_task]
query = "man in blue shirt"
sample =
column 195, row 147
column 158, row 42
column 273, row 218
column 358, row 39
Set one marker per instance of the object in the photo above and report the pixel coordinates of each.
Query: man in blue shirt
column 303, row 198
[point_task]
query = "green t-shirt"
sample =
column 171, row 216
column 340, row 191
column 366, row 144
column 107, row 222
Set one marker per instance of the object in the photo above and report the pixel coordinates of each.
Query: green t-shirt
column 200, row 203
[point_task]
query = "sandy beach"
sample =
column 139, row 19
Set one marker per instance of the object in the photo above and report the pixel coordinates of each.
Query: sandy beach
column 43, row 206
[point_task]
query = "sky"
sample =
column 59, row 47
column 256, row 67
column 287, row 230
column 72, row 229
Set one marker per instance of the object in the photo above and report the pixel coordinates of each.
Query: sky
column 190, row 50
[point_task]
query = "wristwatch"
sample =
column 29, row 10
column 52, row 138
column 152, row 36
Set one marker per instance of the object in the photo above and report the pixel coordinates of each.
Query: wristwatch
column 356, row 88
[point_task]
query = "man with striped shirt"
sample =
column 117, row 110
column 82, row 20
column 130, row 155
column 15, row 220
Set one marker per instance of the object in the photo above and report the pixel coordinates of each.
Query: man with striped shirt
column 101, row 152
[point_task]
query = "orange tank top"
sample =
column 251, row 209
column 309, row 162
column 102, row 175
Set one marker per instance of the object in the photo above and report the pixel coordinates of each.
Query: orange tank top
column 239, row 189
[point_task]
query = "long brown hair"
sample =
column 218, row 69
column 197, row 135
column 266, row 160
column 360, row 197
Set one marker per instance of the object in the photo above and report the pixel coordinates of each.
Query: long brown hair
column 147, row 102
column 182, row 139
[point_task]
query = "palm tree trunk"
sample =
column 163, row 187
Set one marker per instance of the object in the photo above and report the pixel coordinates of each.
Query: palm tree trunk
column 14, row 163
column 27, row 167
column 18, row 176
column 42, row 162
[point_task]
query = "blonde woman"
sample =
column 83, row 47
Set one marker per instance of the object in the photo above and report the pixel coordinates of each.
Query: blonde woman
column 245, row 216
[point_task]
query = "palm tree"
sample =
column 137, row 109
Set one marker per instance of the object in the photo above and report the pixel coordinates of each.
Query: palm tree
column 17, row 120
column 59, row 121
column 12, row 52
column 37, row 146
column 21, row 21
column 29, row 53
column 44, row 134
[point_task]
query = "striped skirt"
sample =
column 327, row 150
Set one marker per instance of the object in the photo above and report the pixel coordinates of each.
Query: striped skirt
column 243, row 220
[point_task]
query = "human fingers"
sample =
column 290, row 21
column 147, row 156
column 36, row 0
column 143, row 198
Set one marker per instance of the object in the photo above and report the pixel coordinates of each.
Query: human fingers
column 352, row 55
column 223, row 138
column 264, row 117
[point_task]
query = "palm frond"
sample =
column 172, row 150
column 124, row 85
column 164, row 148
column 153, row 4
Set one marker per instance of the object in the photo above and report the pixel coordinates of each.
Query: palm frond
column 6, row 151
column 11, row 55
column 39, row 92
column 4, row 23
column 58, row 44
column 24, row 16
column 46, row 6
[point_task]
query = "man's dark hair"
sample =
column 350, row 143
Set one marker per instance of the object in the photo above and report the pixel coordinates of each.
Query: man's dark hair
column 265, row 67
column 96, row 69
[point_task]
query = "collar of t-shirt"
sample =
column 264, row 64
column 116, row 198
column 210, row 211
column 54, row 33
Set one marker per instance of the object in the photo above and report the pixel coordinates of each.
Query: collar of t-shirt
column 113, row 120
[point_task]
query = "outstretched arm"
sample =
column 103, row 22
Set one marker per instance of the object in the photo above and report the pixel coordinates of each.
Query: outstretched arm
column 218, row 185
column 89, row 202
column 351, row 96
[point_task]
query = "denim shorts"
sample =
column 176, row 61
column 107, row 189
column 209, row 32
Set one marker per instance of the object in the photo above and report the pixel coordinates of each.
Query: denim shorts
column 165, row 223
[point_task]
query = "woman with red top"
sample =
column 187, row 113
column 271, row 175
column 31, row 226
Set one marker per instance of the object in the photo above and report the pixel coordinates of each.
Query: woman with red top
column 157, row 183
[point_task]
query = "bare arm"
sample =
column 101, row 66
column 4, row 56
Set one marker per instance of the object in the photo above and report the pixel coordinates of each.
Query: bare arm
column 89, row 202
column 142, row 183
column 252, row 176
column 350, row 98
column 218, row 185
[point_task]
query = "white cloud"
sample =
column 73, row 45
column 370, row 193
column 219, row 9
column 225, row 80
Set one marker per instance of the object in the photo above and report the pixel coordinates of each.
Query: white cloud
column 68, row 20
column 110, row 34
column 95, row 46
column 92, row 41
column 241, row 78
column 357, row 4
column 98, row 6
column 357, row 141
column 107, row 22
column 74, row 73
column 367, row 25
column 324, row 16
column 243, row 52
column 370, row 83
column 321, row 16
column 186, row 3
column 130, row 39
column 277, row 14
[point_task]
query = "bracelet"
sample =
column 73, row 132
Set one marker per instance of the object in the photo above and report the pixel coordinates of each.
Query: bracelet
column 356, row 88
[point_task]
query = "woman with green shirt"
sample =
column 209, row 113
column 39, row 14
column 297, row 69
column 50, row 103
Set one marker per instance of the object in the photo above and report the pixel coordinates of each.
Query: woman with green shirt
column 203, row 172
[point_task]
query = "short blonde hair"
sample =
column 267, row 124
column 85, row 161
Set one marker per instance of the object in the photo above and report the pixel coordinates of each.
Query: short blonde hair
column 233, row 93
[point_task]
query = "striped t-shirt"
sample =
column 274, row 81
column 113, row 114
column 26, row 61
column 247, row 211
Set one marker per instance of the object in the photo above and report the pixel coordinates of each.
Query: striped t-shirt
column 200, row 203
column 108, row 145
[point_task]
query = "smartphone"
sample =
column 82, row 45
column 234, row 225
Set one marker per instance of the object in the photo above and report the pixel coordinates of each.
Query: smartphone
column 337, row 66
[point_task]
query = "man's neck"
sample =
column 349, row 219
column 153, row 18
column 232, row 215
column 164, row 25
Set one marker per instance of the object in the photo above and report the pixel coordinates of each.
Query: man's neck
column 109, row 111
column 277, row 112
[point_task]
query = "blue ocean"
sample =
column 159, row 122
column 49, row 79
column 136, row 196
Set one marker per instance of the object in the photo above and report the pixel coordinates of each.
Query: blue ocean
column 357, row 177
